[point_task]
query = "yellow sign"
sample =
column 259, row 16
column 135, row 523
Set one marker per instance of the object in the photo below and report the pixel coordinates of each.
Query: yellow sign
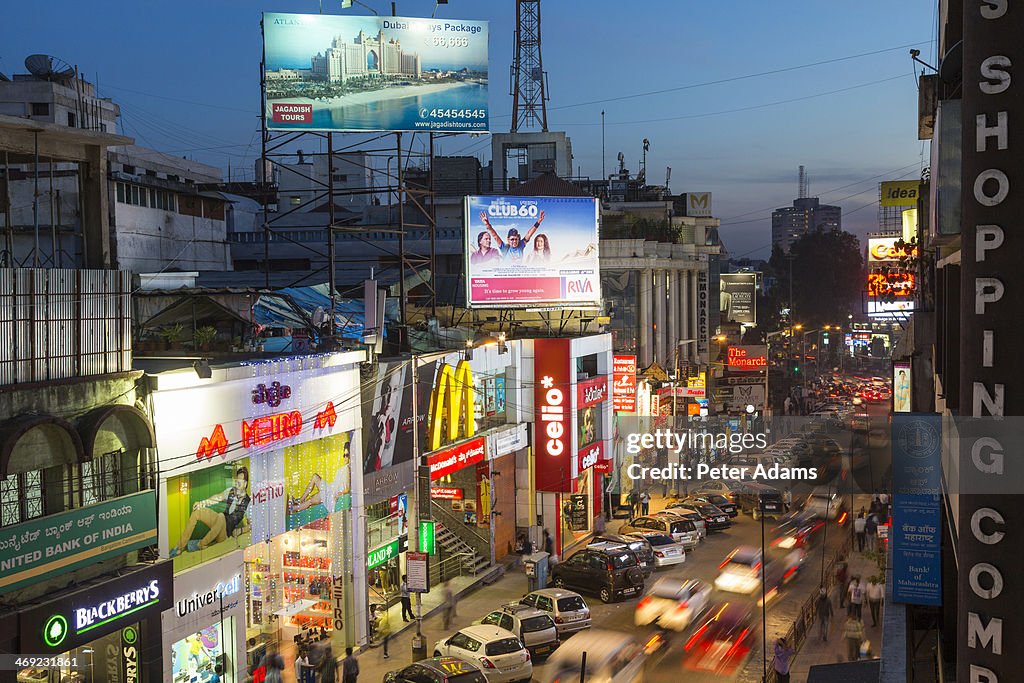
column 909, row 225
column 900, row 192
column 697, row 382
column 452, row 402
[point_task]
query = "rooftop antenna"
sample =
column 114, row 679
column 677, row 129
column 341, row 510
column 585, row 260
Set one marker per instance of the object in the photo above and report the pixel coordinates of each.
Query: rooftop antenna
column 529, row 81
column 49, row 68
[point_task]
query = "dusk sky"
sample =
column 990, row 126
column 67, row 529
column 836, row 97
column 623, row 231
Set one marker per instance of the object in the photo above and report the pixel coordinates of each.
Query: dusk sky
column 186, row 75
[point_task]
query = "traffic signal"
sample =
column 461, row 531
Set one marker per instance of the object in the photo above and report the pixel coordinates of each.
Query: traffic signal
column 796, row 369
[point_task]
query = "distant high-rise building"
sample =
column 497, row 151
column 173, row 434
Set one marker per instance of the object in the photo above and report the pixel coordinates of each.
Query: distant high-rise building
column 806, row 214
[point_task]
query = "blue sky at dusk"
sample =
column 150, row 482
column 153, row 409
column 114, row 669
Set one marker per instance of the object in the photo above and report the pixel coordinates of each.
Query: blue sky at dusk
column 186, row 75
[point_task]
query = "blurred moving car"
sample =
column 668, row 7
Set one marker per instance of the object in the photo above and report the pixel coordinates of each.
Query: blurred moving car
column 741, row 571
column 723, row 641
column 535, row 628
column 826, row 504
column 438, row 670
column 673, row 604
column 643, row 550
column 681, row 530
column 501, row 655
column 613, row 572
column 568, row 610
column 612, row 657
column 666, row 550
column 796, row 529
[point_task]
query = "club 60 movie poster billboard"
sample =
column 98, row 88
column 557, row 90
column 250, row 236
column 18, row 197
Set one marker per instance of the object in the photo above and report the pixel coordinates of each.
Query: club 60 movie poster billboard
column 532, row 250
column 349, row 73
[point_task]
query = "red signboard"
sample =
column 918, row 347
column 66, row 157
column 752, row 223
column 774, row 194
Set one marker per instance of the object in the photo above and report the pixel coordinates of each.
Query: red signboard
column 443, row 463
column 896, row 283
column 271, row 428
column 624, row 384
column 590, row 456
column 291, row 113
column 445, row 493
column 590, row 392
column 748, row 358
column 553, row 432
column 603, row 467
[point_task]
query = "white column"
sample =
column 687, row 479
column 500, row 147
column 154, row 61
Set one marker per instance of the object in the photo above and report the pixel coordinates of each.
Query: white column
column 661, row 331
column 645, row 355
column 673, row 316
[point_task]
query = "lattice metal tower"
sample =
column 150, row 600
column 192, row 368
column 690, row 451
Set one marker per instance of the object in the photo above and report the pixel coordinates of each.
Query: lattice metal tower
column 528, row 83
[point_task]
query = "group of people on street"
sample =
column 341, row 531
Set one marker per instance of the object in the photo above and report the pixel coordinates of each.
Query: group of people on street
column 853, row 592
column 322, row 668
column 639, row 503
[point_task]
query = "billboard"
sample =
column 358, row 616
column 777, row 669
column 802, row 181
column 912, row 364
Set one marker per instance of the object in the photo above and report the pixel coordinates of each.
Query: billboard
column 901, row 384
column 753, row 358
column 738, row 298
column 900, row 192
column 916, row 510
column 697, row 204
column 624, row 384
column 528, row 251
column 890, row 294
column 351, row 73
column 882, row 249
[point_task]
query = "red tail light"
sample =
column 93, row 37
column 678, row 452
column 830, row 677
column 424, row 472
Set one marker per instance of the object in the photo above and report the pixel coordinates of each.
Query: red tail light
column 559, row 620
column 683, row 605
column 643, row 603
column 610, row 567
column 486, row 663
column 658, row 553
column 776, row 542
column 527, row 655
column 586, row 614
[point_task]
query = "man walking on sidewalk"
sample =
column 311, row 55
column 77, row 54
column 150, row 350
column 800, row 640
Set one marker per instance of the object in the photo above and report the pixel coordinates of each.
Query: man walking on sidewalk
column 876, row 593
column 449, row 605
column 853, row 630
column 645, row 503
column 841, row 575
column 871, row 531
column 350, row 667
column 406, row 602
column 824, row 609
column 859, row 528
column 856, row 597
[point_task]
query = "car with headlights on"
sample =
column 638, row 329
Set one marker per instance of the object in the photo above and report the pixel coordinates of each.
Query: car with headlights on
column 499, row 653
column 673, row 604
column 723, row 640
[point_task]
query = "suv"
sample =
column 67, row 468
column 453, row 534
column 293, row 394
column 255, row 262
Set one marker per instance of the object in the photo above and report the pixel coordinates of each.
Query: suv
column 677, row 510
column 437, row 670
column 758, row 499
column 612, row 572
column 644, row 551
column 569, row 610
column 681, row 530
column 535, row 628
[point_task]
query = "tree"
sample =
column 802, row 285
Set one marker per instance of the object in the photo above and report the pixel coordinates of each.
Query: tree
column 828, row 277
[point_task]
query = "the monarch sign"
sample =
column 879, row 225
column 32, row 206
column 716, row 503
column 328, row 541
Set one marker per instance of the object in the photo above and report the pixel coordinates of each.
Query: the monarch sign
column 451, row 403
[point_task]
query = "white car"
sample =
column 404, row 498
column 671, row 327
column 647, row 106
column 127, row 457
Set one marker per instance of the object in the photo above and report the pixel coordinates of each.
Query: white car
column 667, row 551
column 497, row 651
column 692, row 516
column 740, row 572
column 673, row 604
column 535, row 628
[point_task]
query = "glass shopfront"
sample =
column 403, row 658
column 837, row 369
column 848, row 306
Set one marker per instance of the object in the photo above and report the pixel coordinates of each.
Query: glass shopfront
column 108, row 659
column 197, row 657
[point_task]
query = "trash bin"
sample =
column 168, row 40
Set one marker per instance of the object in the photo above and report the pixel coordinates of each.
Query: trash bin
column 536, row 566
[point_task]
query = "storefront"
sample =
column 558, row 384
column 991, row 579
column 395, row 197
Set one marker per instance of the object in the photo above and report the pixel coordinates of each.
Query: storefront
column 572, row 436
column 107, row 633
column 206, row 627
column 267, row 479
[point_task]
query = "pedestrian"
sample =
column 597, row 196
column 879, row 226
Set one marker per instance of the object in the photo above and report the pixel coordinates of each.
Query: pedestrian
column 824, row 610
column 787, row 499
column 301, row 665
column 859, row 528
column 327, row 667
column 841, row 574
column 783, row 660
column 448, row 602
column 856, row 597
column 634, row 502
column 406, row 602
column 350, row 667
column 549, row 545
column 853, row 630
column 788, row 406
column 871, row 531
column 875, row 594
column 883, row 498
column 218, row 673
column 645, row 503
column 273, row 664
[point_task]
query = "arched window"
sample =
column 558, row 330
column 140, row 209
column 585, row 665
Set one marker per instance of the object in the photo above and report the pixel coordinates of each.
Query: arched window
column 371, row 61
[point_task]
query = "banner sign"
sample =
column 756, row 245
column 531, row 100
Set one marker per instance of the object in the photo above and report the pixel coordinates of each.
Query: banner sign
column 901, row 383
column 382, row 554
column 528, row 251
column 738, row 298
column 916, row 516
column 624, row 384
column 703, row 336
column 443, row 463
column 900, row 192
column 590, row 456
column 553, row 413
column 747, row 358
column 445, row 493
column 360, row 73
column 416, row 565
column 882, row 249
column 577, row 513
column 590, row 392
column 60, row 543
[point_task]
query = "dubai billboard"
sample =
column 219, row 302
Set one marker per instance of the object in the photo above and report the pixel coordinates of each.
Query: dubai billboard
column 530, row 251
column 738, row 298
column 357, row 73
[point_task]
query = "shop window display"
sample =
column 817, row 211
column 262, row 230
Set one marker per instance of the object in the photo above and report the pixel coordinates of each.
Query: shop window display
column 194, row 658
column 102, row 660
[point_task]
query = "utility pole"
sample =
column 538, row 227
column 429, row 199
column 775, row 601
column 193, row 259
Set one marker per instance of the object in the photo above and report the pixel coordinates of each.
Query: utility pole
column 419, row 650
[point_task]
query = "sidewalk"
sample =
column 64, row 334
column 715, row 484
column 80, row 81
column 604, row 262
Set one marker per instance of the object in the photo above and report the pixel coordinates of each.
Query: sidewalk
column 816, row 651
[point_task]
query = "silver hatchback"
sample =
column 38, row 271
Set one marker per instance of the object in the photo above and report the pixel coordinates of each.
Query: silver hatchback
column 568, row 609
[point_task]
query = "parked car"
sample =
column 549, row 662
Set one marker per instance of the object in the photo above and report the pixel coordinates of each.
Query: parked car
column 677, row 510
column 501, row 655
column 667, row 551
column 723, row 487
column 611, row 573
column 568, row 610
column 639, row 546
column 714, row 517
column 438, row 670
column 758, row 499
column 721, row 502
column 612, row 657
column 673, row 604
column 723, row 640
column 535, row 628
column 681, row 530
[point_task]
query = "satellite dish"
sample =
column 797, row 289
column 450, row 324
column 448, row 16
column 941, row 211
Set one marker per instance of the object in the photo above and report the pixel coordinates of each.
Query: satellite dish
column 951, row 68
column 49, row 68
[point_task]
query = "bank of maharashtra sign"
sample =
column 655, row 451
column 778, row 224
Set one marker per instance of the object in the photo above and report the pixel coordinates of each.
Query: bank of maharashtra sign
column 60, row 543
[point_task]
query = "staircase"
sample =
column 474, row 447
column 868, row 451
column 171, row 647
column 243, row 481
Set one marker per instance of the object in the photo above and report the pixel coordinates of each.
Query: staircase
column 452, row 545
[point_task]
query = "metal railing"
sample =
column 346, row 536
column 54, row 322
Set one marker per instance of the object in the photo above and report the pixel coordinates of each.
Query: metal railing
column 383, row 530
column 479, row 543
column 450, row 567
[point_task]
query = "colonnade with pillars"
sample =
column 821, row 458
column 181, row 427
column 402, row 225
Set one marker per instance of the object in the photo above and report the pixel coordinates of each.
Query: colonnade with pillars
column 668, row 315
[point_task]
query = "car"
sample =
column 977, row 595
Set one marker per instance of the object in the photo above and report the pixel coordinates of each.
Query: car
column 723, row 487
column 741, row 571
column 535, row 628
column 681, row 530
column 797, row 529
column 673, row 604
column 723, row 640
column 500, row 654
column 667, row 551
column 715, row 518
column 721, row 502
column 643, row 550
column 568, row 610
column 683, row 513
column 758, row 499
column 612, row 657
column 438, row 670
column 826, row 504
column 612, row 573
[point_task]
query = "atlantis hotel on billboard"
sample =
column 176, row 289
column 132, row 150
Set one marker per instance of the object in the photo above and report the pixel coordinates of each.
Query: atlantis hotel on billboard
column 365, row 56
